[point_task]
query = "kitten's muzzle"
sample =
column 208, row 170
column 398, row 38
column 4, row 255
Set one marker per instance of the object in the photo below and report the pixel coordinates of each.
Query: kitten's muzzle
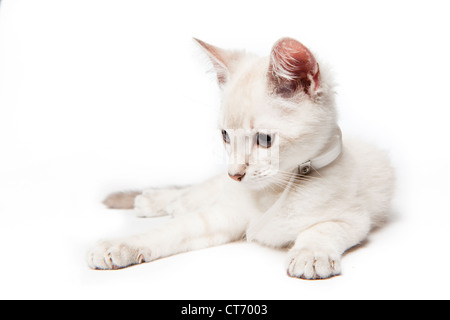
column 237, row 177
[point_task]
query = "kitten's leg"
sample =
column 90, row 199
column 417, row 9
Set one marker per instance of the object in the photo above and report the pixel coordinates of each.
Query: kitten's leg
column 149, row 203
column 178, row 200
column 183, row 233
column 317, row 251
column 155, row 202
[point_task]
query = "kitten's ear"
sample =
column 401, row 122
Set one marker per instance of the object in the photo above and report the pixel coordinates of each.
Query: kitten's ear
column 292, row 67
column 220, row 59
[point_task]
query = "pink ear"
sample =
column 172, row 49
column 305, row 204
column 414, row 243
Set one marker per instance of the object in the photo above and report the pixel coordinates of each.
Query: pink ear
column 219, row 58
column 292, row 66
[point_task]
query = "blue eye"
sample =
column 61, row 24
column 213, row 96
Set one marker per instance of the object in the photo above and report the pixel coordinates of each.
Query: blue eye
column 264, row 140
column 225, row 136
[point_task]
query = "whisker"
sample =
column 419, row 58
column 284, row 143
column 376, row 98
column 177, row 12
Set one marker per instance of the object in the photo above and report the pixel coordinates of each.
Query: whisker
column 284, row 183
column 299, row 176
column 281, row 179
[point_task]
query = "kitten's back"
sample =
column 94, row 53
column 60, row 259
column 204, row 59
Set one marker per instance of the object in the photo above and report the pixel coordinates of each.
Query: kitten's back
column 376, row 177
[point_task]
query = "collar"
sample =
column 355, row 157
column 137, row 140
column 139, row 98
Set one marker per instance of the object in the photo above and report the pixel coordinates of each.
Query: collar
column 332, row 151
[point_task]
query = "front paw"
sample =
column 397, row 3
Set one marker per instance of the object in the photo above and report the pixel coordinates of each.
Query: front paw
column 313, row 264
column 112, row 256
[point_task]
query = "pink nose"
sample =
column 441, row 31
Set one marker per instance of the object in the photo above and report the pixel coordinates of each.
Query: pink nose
column 237, row 177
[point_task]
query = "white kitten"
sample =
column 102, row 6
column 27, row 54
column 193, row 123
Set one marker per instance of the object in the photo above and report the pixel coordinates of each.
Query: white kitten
column 293, row 183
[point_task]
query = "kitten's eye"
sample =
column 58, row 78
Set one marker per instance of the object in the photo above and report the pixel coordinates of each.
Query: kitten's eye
column 264, row 140
column 225, row 136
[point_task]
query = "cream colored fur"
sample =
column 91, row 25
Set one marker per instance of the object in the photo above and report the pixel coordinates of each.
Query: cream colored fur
column 323, row 214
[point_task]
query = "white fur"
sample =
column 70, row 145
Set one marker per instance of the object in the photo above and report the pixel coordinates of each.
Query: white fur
column 323, row 214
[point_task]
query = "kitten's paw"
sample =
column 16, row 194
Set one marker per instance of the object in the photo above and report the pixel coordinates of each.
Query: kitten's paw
column 313, row 264
column 112, row 256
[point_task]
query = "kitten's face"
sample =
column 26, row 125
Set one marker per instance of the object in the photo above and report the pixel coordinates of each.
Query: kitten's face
column 273, row 116
column 253, row 155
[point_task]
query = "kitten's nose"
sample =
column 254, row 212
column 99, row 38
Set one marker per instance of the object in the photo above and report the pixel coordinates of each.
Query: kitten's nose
column 237, row 176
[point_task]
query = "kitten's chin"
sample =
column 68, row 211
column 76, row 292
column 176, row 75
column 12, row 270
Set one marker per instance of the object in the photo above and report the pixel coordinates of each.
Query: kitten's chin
column 258, row 184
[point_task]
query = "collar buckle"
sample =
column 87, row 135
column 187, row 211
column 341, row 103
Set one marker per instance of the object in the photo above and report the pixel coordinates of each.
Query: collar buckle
column 304, row 168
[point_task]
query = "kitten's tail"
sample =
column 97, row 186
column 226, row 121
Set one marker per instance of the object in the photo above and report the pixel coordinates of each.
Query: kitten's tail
column 121, row 200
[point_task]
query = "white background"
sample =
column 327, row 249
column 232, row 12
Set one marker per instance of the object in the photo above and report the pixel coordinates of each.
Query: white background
column 105, row 95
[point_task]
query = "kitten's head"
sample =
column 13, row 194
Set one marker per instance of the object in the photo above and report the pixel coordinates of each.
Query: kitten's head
column 277, row 112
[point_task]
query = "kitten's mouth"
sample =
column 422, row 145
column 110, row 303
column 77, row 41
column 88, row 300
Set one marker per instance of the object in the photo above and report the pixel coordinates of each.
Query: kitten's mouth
column 256, row 181
column 257, row 185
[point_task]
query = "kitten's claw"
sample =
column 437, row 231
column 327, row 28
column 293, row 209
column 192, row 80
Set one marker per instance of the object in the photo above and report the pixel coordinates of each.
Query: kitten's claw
column 309, row 264
column 108, row 256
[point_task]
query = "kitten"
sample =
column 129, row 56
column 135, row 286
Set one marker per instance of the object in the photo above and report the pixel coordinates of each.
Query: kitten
column 292, row 182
